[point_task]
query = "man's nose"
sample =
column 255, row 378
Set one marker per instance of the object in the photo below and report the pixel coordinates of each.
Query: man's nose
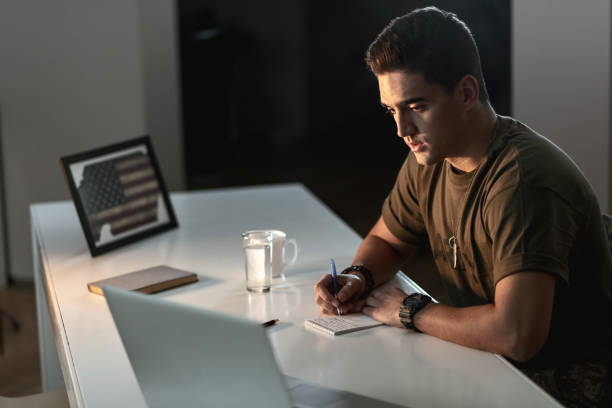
column 405, row 125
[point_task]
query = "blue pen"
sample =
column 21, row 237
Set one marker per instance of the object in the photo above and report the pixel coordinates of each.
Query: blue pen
column 335, row 280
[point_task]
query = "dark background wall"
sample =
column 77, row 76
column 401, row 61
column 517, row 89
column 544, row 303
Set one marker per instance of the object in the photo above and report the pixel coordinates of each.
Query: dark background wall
column 277, row 91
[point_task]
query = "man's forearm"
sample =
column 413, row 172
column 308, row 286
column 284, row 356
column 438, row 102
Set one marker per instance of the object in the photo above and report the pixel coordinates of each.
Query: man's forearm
column 379, row 257
column 476, row 327
column 516, row 325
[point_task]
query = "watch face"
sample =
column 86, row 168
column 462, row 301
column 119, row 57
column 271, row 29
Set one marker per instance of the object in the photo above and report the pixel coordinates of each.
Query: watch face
column 416, row 300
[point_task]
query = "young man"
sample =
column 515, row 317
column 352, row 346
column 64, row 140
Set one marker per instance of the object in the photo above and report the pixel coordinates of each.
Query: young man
column 514, row 227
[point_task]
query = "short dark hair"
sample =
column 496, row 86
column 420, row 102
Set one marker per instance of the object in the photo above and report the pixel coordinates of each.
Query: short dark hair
column 430, row 41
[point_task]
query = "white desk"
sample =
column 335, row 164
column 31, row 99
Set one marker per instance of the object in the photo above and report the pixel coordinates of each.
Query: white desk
column 387, row 363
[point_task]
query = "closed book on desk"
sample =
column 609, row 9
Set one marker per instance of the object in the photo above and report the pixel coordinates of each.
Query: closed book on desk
column 337, row 325
column 150, row 280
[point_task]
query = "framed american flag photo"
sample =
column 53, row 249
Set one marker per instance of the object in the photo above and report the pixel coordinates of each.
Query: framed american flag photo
column 119, row 194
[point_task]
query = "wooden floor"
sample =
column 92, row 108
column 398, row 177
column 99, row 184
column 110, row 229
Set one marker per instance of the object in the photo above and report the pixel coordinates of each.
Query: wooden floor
column 354, row 191
column 19, row 365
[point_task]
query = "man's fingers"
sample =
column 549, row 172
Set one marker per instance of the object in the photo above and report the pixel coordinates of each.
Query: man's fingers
column 320, row 301
column 322, row 289
column 350, row 288
column 358, row 305
column 347, row 292
column 329, row 312
column 352, row 307
column 348, row 308
column 327, row 309
column 325, row 306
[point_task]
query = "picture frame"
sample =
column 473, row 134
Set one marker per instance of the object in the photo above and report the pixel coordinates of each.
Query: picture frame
column 119, row 194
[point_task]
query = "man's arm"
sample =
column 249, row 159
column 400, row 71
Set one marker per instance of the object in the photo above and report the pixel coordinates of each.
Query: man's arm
column 381, row 252
column 515, row 326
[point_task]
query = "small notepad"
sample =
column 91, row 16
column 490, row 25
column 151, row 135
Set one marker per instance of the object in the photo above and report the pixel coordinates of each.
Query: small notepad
column 337, row 325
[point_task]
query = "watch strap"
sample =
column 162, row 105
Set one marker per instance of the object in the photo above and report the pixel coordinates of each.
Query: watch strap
column 411, row 305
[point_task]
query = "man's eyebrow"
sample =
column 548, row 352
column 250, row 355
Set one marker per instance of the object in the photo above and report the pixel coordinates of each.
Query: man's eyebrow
column 409, row 101
column 413, row 100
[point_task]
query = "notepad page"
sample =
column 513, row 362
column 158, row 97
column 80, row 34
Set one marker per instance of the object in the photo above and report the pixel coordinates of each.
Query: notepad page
column 336, row 325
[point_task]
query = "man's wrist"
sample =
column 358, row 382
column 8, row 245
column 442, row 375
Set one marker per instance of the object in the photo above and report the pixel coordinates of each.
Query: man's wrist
column 363, row 280
column 365, row 274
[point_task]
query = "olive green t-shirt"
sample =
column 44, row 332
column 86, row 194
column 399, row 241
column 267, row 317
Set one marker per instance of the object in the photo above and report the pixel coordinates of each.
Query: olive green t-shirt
column 527, row 207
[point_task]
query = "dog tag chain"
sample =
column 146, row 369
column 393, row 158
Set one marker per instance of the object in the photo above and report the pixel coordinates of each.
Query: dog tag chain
column 452, row 241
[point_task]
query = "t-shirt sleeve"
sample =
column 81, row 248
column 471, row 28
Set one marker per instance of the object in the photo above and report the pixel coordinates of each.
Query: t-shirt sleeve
column 531, row 229
column 400, row 211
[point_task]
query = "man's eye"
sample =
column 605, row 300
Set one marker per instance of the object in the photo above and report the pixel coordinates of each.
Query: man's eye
column 389, row 112
column 418, row 108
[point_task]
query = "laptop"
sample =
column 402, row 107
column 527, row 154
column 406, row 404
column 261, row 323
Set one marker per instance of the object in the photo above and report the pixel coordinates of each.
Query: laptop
column 185, row 356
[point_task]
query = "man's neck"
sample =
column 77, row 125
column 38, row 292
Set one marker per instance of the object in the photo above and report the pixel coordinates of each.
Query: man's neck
column 478, row 135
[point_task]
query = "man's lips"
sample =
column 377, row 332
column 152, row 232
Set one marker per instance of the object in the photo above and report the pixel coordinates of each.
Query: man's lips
column 416, row 147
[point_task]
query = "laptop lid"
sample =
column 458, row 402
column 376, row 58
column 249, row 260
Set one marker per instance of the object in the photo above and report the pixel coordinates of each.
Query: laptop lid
column 189, row 357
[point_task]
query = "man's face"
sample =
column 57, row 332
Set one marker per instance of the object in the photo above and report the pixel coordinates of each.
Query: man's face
column 427, row 117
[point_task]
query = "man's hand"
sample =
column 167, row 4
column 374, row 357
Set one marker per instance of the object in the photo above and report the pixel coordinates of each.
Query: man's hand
column 382, row 253
column 384, row 305
column 351, row 286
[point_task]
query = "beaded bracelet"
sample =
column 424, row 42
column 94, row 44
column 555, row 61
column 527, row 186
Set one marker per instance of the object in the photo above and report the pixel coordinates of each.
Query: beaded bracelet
column 367, row 274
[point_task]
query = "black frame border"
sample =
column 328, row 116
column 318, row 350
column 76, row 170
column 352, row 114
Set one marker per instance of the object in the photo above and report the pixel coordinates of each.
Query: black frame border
column 95, row 249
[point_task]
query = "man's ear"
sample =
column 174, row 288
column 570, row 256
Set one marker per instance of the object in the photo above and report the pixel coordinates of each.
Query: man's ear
column 468, row 90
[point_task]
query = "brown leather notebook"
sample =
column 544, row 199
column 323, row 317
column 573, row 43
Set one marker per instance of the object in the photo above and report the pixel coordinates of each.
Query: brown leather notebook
column 150, row 280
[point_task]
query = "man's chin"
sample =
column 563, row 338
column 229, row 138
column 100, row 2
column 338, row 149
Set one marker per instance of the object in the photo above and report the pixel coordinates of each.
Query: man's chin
column 425, row 159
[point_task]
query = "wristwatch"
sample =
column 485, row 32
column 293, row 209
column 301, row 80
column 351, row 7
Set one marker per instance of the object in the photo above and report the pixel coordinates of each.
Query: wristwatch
column 411, row 305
